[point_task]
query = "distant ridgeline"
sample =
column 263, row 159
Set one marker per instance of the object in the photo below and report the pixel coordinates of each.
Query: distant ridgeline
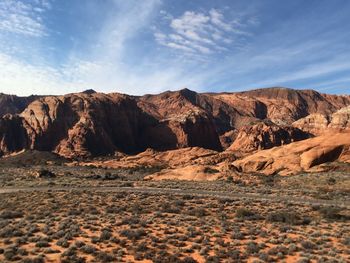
column 90, row 123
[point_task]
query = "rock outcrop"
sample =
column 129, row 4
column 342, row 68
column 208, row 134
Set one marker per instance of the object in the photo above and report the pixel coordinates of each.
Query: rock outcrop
column 191, row 163
column 229, row 112
column 13, row 104
column 91, row 123
column 340, row 120
column 320, row 123
column 85, row 124
column 153, row 158
column 88, row 123
column 13, row 135
column 285, row 106
column 298, row 156
column 265, row 135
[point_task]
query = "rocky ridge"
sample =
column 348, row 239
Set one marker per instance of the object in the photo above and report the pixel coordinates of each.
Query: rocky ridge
column 88, row 124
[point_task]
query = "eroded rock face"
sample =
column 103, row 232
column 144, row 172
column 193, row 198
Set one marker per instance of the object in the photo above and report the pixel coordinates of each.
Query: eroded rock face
column 298, row 156
column 313, row 123
column 230, row 112
column 84, row 124
column 88, row 124
column 285, row 106
column 319, row 123
column 13, row 136
column 340, row 120
column 265, row 135
column 13, row 104
column 91, row 123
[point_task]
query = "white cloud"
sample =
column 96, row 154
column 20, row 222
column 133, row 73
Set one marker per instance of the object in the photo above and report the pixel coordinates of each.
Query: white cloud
column 17, row 77
column 165, row 15
column 21, row 17
column 178, row 46
column 104, row 68
column 217, row 18
column 204, row 33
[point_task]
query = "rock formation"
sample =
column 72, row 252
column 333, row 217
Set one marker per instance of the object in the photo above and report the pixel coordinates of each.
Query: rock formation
column 265, row 135
column 13, row 104
column 13, row 136
column 320, row 123
column 90, row 123
column 85, row 124
column 298, row 156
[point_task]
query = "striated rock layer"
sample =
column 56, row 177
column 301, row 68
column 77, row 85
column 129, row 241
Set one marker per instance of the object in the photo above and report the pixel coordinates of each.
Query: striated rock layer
column 90, row 123
column 85, row 124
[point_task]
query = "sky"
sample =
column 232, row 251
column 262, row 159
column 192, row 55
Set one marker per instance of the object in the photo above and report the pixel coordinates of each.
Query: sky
column 149, row 46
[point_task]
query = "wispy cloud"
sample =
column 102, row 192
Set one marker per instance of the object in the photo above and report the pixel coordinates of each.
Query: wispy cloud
column 203, row 32
column 18, row 77
column 103, row 67
column 23, row 17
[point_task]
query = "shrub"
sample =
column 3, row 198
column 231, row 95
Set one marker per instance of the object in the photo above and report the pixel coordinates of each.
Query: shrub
column 292, row 248
column 237, row 235
column 179, row 203
column 133, row 234
column 303, row 260
column 39, row 259
column 43, row 173
column 8, row 214
column 331, row 181
column 234, row 254
column 209, row 170
column 229, row 179
column 264, row 257
column 268, row 180
column 10, row 231
column 287, row 218
column 62, row 243
column 79, row 243
column 88, row 249
column 42, row 244
column 189, row 260
column 252, row 248
column 142, row 247
column 10, row 255
column 213, row 259
column 73, row 258
column 105, row 257
column 244, row 213
column 308, row 245
column 105, row 235
column 199, row 212
column 331, row 213
column 346, row 241
column 187, row 197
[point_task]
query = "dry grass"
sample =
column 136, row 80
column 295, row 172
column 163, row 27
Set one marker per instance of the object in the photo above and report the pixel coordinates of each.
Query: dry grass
column 80, row 226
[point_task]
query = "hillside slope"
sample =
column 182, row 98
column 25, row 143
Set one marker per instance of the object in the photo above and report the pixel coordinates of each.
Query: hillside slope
column 90, row 123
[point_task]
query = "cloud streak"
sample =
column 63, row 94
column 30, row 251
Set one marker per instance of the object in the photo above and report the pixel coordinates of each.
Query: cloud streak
column 23, row 17
column 200, row 32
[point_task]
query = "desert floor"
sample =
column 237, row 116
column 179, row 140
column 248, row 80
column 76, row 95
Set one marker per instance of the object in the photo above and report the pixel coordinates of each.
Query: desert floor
column 87, row 214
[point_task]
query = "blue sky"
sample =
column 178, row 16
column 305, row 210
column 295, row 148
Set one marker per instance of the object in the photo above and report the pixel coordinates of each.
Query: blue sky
column 148, row 46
